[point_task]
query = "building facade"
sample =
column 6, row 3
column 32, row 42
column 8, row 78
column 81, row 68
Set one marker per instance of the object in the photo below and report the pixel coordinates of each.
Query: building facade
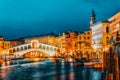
column 100, row 36
column 1, row 43
column 115, row 44
column 84, row 41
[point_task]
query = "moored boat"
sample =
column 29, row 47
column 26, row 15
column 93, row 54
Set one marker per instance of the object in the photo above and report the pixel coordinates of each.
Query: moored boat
column 97, row 66
column 88, row 63
column 78, row 64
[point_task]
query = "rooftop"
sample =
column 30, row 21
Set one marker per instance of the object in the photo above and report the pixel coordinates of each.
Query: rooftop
column 99, row 23
column 114, row 16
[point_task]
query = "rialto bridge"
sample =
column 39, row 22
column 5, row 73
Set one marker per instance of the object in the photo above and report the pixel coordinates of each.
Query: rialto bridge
column 32, row 49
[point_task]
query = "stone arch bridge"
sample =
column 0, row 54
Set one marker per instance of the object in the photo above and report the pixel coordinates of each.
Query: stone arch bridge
column 34, row 48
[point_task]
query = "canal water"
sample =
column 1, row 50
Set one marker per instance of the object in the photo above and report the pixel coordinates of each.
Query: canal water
column 50, row 71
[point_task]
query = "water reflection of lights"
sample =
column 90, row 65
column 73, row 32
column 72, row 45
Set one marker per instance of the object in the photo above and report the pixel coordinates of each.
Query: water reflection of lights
column 71, row 76
column 36, row 59
column 62, row 77
column 96, row 75
column 50, row 72
column 84, row 74
column 4, row 72
column 71, row 72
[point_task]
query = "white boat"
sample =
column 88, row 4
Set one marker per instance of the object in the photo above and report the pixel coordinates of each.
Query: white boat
column 88, row 63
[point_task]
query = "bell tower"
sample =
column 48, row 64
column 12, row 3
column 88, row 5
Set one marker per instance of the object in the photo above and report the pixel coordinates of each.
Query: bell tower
column 92, row 18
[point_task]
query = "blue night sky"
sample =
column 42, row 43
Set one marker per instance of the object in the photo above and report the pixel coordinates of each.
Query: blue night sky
column 19, row 18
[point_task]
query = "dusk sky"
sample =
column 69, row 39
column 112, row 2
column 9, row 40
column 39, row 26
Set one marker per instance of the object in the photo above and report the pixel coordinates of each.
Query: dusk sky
column 19, row 18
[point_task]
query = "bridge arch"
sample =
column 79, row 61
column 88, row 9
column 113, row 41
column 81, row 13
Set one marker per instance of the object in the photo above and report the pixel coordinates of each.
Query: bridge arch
column 29, row 46
column 10, row 51
column 14, row 50
column 22, row 48
column 32, row 51
column 40, row 46
column 25, row 47
column 18, row 49
column 43, row 47
column 51, row 48
column 47, row 47
column 35, row 54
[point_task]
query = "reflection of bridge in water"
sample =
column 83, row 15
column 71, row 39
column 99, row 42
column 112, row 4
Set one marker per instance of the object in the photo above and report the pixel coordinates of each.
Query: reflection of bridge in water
column 34, row 49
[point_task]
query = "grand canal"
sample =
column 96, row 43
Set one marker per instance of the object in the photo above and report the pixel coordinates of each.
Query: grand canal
column 47, row 70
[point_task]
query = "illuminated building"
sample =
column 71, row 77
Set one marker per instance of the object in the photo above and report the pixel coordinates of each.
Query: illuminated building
column 80, row 41
column 100, row 38
column 84, row 44
column 115, row 26
column 1, row 43
column 60, row 42
column 115, row 45
column 70, row 41
column 1, row 47
column 88, row 40
column 100, row 35
column 7, row 45
column 84, row 41
column 16, row 42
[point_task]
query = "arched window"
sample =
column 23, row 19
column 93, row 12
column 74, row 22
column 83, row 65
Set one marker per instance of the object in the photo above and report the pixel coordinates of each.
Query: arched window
column 40, row 46
column 10, row 51
column 118, row 36
column 17, row 49
column 13, row 50
column 55, row 49
column 107, row 29
column 47, row 48
column 51, row 48
column 43, row 47
column 107, row 40
column 25, row 47
column 29, row 46
column 21, row 48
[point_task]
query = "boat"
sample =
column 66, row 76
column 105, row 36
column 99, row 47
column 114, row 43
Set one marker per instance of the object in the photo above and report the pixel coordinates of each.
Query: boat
column 88, row 63
column 78, row 64
column 98, row 65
